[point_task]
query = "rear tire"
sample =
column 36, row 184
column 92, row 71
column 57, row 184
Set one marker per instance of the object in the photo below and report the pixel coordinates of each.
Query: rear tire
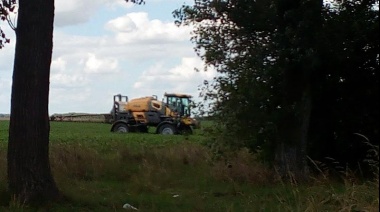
column 167, row 129
column 121, row 128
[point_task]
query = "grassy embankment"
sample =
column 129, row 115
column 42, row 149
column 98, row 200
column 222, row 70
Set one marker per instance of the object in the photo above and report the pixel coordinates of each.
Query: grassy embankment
column 101, row 171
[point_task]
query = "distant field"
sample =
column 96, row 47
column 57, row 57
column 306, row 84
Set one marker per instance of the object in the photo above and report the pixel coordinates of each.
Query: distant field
column 74, row 132
column 101, row 171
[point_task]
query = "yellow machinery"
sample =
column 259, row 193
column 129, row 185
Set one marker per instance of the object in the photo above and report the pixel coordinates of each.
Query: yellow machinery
column 169, row 116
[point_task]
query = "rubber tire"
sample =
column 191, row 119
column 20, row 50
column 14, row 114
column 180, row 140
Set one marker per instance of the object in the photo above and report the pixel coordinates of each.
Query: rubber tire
column 121, row 128
column 186, row 130
column 167, row 129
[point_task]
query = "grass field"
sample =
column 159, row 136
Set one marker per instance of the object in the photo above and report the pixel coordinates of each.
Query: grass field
column 101, row 171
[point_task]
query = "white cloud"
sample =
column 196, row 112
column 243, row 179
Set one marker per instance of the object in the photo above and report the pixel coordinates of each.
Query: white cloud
column 6, row 68
column 136, row 56
column 122, row 24
column 136, row 27
column 181, row 78
column 58, row 64
column 71, row 12
column 101, row 66
column 68, row 80
column 5, row 98
column 78, row 101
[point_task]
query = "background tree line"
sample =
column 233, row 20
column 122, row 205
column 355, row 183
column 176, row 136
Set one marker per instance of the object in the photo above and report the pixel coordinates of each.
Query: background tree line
column 296, row 78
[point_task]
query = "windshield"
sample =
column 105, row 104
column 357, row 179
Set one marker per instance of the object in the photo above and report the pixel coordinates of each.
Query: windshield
column 181, row 105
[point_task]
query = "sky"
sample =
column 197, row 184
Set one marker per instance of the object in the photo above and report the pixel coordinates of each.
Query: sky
column 107, row 47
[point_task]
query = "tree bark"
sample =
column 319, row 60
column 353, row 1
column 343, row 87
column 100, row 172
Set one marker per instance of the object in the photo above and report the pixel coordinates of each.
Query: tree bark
column 29, row 175
column 299, row 25
column 291, row 153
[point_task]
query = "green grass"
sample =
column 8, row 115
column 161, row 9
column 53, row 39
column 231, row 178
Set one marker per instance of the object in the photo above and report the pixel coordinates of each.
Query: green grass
column 101, row 171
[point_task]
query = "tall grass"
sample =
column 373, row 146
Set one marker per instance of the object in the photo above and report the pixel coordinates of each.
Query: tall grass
column 101, row 171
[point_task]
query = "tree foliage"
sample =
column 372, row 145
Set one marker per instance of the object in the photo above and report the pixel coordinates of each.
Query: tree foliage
column 291, row 74
column 6, row 7
column 347, row 88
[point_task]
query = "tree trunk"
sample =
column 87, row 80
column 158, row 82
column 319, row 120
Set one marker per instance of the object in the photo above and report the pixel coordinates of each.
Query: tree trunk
column 291, row 155
column 29, row 176
column 299, row 24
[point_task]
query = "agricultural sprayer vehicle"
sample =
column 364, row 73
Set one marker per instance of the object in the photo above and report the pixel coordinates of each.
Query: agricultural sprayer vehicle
column 169, row 116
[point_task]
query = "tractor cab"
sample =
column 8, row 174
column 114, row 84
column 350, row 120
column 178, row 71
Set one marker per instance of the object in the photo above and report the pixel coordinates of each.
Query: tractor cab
column 179, row 103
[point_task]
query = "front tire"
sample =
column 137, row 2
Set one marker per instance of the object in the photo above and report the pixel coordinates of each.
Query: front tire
column 186, row 130
column 121, row 128
column 167, row 129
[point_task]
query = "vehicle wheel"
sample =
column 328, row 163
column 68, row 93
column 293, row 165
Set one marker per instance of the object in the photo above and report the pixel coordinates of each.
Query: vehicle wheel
column 121, row 128
column 186, row 130
column 167, row 129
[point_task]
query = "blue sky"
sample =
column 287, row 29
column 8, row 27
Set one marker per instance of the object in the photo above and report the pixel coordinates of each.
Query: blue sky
column 106, row 47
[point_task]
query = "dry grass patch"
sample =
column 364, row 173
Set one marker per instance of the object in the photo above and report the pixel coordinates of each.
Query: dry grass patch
column 242, row 167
